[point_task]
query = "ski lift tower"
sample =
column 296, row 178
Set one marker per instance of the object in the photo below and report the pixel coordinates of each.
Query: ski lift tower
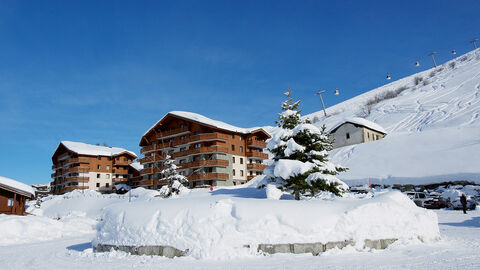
column 433, row 58
column 319, row 93
column 474, row 41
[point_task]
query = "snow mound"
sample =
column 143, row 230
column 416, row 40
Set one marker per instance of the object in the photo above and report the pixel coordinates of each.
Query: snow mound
column 31, row 229
column 219, row 229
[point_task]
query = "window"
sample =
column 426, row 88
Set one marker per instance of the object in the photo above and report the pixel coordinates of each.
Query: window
column 99, row 167
column 99, row 158
column 233, row 136
column 171, row 140
column 251, row 161
column 241, row 149
column 241, row 172
column 109, row 158
column 108, row 176
column 198, row 145
column 376, row 136
column 233, row 147
column 348, row 135
column 182, row 126
column 107, row 184
column 118, row 158
column 233, row 159
column 125, row 159
column 183, row 138
column 98, row 175
column 241, row 160
column 98, row 184
column 368, row 135
column 233, row 172
column 183, row 149
column 182, row 161
column 251, row 172
column 10, row 202
column 108, row 167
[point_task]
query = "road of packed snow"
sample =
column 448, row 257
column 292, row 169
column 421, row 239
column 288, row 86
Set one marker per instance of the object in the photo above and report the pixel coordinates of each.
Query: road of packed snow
column 458, row 249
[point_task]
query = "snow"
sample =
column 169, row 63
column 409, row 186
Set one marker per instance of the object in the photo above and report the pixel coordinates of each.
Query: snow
column 205, row 120
column 273, row 192
column 16, row 185
column 285, row 168
column 328, row 178
column 94, row 150
column 432, row 129
column 292, row 146
column 361, row 122
column 217, row 227
column 136, row 165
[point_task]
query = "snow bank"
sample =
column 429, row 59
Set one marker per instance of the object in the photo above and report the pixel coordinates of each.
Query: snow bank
column 30, row 229
column 212, row 227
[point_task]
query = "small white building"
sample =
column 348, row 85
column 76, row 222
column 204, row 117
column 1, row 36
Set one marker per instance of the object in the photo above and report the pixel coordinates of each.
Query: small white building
column 355, row 130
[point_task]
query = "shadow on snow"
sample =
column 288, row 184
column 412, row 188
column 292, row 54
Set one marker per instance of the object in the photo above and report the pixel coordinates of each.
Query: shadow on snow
column 473, row 222
column 80, row 247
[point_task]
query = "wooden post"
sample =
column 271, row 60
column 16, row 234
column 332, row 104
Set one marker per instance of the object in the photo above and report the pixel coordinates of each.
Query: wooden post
column 13, row 205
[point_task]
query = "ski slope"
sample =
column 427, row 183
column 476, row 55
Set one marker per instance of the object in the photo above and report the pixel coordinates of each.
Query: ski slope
column 433, row 128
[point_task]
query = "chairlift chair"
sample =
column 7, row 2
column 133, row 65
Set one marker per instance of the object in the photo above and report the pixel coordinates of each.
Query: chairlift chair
column 389, row 77
column 454, row 52
column 417, row 64
column 336, row 92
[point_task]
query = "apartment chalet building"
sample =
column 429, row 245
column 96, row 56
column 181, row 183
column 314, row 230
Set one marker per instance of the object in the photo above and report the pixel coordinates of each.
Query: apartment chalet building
column 208, row 152
column 83, row 166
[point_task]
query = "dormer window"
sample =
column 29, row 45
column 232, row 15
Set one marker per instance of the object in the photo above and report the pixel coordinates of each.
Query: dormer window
column 348, row 135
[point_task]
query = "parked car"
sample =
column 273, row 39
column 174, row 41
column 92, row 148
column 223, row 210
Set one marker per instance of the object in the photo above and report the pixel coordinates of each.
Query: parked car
column 436, row 201
column 419, row 198
column 457, row 205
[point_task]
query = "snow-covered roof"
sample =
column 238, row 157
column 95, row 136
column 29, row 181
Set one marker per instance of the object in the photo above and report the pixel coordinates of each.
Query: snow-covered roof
column 137, row 166
column 361, row 122
column 16, row 185
column 207, row 121
column 94, row 150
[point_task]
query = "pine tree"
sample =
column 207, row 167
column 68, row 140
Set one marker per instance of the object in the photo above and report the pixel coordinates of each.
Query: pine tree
column 303, row 142
column 174, row 179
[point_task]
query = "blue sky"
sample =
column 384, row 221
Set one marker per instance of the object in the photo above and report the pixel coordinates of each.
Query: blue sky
column 105, row 71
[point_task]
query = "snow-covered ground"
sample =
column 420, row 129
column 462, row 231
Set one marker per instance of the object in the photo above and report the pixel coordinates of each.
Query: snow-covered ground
column 432, row 129
column 459, row 248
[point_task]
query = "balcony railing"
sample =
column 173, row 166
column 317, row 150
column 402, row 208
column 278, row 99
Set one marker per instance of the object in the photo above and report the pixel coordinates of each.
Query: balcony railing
column 257, row 155
column 205, row 163
column 79, row 169
column 152, row 159
column 77, row 178
column 208, row 176
column 121, row 162
column 256, row 166
column 119, row 180
column 72, row 188
column 200, row 150
column 169, row 133
column 256, row 143
column 152, row 170
column 215, row 136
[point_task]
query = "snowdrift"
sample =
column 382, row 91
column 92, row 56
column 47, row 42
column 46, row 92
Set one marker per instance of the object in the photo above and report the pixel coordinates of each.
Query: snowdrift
column 218, row 227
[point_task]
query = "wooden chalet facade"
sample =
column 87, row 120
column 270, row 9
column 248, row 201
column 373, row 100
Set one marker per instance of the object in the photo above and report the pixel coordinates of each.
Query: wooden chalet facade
column 208, row 152
column 84, row 166
column 13, row 196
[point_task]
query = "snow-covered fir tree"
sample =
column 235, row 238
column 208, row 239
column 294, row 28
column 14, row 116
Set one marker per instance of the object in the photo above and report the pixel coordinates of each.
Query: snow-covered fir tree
column 300, row 151
column 174, row 179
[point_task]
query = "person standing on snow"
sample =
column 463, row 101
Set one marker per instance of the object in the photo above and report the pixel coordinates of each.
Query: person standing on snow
column 463, row 200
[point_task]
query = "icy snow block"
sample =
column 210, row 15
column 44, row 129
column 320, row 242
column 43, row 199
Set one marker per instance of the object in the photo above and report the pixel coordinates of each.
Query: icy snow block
column 275, row 248
column 166, row 251
column 339, row 244
column 314, row 248
column 379, row 244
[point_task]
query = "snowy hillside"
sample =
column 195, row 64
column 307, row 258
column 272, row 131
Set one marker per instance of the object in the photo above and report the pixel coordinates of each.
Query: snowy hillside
column 433, row 123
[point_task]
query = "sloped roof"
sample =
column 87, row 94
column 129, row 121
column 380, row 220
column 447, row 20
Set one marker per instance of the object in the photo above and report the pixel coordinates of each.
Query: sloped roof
column 207, row 121
column 361, row 122
column 17, row 186
column 136, row 165
column 94, row 150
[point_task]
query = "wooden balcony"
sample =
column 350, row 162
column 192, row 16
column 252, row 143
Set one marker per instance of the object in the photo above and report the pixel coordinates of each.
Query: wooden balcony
column 250, row 177
column 119, row 180
column 79, row 160
column 201, row 150
column 256, row 166
column 79, row 169
column 205, row 163
column 121, row 162
column 77, row 178
column 53, row 175
column 215, row 136
column 152, row 170
column 256, row 143
column 260, row 155
column 170, row 133
column 151, row 159
column 208, row 176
